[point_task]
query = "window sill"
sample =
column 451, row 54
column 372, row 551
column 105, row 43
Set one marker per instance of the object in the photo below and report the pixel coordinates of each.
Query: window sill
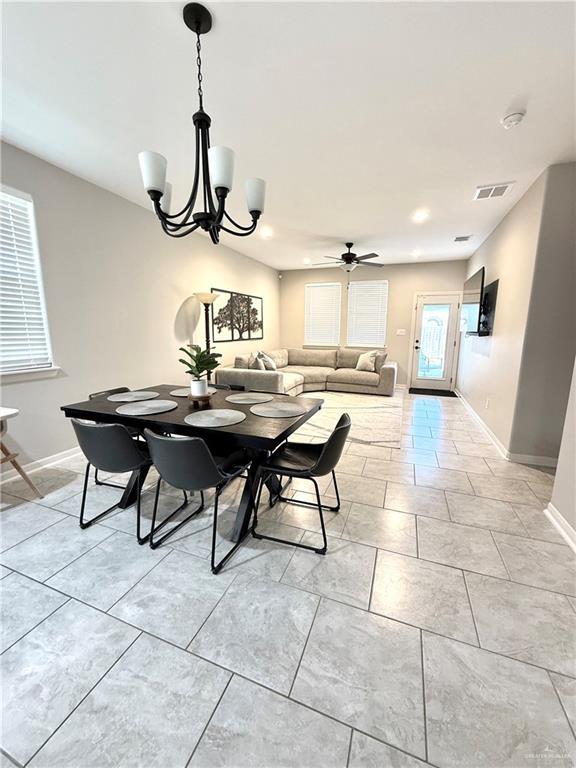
column 14, row 377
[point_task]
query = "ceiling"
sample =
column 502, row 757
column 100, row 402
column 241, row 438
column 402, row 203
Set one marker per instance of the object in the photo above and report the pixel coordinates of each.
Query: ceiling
column 355, row 113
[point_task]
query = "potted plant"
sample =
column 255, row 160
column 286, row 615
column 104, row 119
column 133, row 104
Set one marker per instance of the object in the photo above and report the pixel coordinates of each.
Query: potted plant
column 198, row 364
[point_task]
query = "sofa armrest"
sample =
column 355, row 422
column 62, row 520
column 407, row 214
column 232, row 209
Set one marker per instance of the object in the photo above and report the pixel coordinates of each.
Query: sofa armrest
column 388, row 374
column 259, row 381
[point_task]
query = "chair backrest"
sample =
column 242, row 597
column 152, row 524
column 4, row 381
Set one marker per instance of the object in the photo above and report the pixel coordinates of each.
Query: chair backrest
column 184, row 462
column 115, row 391
column 333, row 447
column 108, row 447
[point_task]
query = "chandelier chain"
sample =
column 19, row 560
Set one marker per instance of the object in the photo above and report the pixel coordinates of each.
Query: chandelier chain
column 199, row 65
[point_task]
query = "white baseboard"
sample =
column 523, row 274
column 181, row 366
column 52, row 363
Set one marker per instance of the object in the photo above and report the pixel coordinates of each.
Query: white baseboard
column 518, row 458
column 34, row 466
column 561, row 525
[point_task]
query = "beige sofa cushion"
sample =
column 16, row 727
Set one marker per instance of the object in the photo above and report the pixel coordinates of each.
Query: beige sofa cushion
column 291, row 380
column 313, row 374
column 352, row 376
column 280, row 357
column 316, row 357
column 347, row 357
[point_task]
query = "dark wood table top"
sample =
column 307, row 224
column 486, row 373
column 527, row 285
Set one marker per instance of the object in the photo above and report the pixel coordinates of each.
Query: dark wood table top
column 255, row 431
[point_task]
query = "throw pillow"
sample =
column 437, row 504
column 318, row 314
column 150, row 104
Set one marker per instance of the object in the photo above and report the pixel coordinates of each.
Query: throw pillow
column 269, row 363
column 380, row 360
column 242, row 361
column 255, row 363
column 366, row 361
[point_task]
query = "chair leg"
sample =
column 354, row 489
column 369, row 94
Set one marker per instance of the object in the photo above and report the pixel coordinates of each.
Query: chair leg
column 97, row 481
column 216, row 567
column 12, row 458
column 318, row 505
column 155, row 543
column 88, row 523
column 311, row 504
column 141, row 539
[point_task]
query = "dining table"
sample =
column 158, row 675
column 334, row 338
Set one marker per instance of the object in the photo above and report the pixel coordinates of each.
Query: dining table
column 257, row 435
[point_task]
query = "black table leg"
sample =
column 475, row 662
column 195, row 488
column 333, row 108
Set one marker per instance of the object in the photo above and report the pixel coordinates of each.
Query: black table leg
column 129, row 495
column 245, row 508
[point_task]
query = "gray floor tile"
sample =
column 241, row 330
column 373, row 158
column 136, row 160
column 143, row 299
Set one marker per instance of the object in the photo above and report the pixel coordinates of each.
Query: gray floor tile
column 499, row 710
column 20, row 522
column 414, row 456
column 428, row 502
column 365, row 670
column 543, row 491
column 482, row 450
column 539, row 563
column 503, row 489
column 461, row 546
column 256, row 728
column 45, row 479
column 366, row 752
column 444, row 479
column 47, row 552
column 369, row 451
column 5, row 762
column 7, row 501
column 484, row 513
column 259, row 630
column 434, row 444
column 125, row 519
column 98, row 498
column 463, row 463
column 308, row 518
column 416, row 431
column 24, row 604
column 351, row 464
column 446, row 433
column 425, row 594
column 343, row 573
column 504, row 468
column 396, row 471
column 266, row 559
column 382, row 528
column 150, row 709
column 364, row 491
column 525, row 623
column 105, row 573
column 174, row 599
column 566, row 688
column 47, row 673
column 4, row 572
column 537, row 525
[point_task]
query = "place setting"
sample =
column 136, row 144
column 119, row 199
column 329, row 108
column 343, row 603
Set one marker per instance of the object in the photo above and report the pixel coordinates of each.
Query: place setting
column 134, row 396
column 147, row 408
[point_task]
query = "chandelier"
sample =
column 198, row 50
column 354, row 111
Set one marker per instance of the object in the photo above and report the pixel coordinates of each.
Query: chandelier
column 213, row 169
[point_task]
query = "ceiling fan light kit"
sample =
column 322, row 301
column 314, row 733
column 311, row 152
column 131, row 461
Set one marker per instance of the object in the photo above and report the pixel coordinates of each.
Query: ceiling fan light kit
column 349, row 261
column 213, row 170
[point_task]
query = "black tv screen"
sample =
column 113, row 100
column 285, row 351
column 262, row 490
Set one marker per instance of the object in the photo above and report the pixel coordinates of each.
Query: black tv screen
column 472, row 303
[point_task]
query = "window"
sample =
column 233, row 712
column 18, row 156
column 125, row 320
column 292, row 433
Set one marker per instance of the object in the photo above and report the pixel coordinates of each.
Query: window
column 367, row 308
column 24, row 340
column 322, row 314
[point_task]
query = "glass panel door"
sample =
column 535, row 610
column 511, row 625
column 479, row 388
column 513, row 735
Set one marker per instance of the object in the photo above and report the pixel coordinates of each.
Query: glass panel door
column 434, row 342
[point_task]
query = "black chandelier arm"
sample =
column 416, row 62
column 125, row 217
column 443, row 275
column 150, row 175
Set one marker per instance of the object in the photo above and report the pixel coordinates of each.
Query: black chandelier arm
column 239, row 226
column 188, row 231
column 189, row 207
column 240, row 234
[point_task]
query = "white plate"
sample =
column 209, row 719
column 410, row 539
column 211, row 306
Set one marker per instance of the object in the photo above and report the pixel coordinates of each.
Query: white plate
column 133, row 397
column 185, row 391
column 147, row 409
column 247, row 398
column 215, row 417
column 278, row 410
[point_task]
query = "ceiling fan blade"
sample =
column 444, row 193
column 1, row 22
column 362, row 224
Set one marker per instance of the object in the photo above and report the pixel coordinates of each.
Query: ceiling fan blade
column 334, row 258
column 368, row 256
column 319, row 264
column 362, row 264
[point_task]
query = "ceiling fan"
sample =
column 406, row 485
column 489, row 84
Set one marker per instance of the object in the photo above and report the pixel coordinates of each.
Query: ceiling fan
column 349, row 261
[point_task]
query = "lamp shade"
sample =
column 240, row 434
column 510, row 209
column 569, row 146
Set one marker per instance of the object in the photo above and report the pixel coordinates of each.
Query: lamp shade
column 221, row 166
column 167, row 198
column 206, row 298
column 255, row 194
column 153, row 170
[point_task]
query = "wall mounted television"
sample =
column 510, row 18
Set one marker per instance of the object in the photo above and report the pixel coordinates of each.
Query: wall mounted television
column 472, row 303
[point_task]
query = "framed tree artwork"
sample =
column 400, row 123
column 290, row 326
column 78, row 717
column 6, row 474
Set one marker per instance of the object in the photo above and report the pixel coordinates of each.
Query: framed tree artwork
column 236, row 317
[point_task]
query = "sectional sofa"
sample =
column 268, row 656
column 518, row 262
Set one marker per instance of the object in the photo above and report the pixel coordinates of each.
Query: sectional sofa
column 304, row 370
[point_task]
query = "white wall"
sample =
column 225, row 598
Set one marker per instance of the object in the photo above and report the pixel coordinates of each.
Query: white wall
column 404, row 280
column 115, row 286
column 564, row 492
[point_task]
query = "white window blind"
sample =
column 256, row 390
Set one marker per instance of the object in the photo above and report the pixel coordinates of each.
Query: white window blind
column 367, row 309
column 24, row 340
column 322, row 314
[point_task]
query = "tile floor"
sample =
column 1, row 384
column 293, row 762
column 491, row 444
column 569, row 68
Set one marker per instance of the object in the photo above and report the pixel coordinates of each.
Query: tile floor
column 439, row 629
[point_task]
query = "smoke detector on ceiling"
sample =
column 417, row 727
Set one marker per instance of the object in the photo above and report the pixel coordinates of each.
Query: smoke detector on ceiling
column 493, row 190
column 512, row 120
column 462, row 238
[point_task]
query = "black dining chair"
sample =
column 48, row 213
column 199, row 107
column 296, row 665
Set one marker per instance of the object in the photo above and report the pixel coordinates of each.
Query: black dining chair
column 188, row 464
column 133, row 432
column 307, row 461
column 109, row 447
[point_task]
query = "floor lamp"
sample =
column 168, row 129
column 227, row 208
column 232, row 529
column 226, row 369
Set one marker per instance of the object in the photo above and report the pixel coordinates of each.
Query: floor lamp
column 207, row 299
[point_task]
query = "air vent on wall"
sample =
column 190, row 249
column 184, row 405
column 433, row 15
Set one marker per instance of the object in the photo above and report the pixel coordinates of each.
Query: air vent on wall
column 493, row 190
column 462, row 238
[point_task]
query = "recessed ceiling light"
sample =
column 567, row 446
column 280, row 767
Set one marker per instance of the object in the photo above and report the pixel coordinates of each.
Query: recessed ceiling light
column 416, row 254
column 266, row 233
column 306, row 260
column 420, row 215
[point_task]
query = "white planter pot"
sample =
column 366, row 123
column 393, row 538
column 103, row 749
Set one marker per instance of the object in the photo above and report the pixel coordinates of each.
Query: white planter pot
column 198, row 387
